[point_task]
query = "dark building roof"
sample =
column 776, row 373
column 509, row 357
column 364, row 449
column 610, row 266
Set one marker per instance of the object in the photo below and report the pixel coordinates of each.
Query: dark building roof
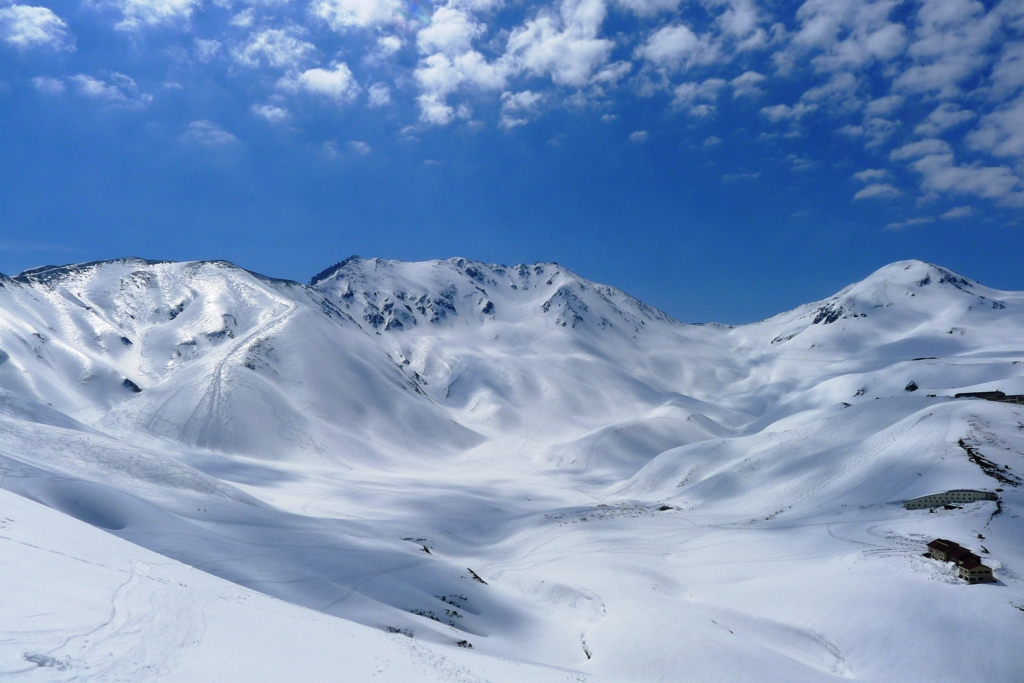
column 960, row 555
column 971, row 563
column 943, row 545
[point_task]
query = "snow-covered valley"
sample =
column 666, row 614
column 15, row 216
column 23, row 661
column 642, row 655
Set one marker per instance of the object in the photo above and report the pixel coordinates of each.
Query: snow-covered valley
column 458, row 471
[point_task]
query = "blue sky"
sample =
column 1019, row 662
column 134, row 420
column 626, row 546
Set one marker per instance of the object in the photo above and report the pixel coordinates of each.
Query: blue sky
column 723, row 160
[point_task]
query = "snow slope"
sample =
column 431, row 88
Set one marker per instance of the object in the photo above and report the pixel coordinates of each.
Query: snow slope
column 512, row 458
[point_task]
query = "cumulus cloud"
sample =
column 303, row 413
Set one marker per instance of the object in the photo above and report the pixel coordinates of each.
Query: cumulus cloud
column 278, row 48
column 25, row 27
column 945, row 116
column 207, row 134
column 958, row 212
column 638, row 136
column 877, row 191
column 138, row 14
column 785, row 112
column 848, row 35
column 345, row 14
column 564, row 46
column 941, row 175
column 920, row 220
column 48, row 85
column 270, row 112
column 337, row 83
column 1008, row 73
column 378, row 95
column 950, row 42
column 697, row 98
column 451, row 31
column 119, row 90
column 676, row 47
column 1001, row 133
column 518, row 108
column 921, row 148
column 875, row 131
column 206, row 50
column 882, row 106
column 871, row 175
column 748, row 84
column 360, row 147
column 439, row 75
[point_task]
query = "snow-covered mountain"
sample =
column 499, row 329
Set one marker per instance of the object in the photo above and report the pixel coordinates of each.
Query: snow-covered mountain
column 510, row 458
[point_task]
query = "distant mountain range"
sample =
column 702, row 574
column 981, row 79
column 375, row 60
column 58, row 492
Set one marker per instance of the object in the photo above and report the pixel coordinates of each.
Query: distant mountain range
column 544, row 468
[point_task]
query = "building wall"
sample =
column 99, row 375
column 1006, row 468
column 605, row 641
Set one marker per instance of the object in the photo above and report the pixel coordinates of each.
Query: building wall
column 948, row 498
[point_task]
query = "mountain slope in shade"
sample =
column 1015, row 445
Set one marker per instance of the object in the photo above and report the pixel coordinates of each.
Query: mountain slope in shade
column 521, row 460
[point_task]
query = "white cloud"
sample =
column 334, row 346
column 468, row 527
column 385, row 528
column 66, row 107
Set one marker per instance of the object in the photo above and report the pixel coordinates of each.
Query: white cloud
column 278, row 48
column 518, row 108
column 565, row 46
column 140, row 13
column 1001, row 133
column 1008, row 73
column 244, row 19
column 440, row 75
column 883, row 105
column 207, row 134
column 712, row 140
column 875, row 131
column 877, row 191
column 343, row 14
column 379, row 95
column 945, row 116
column 871, row 175
column 941, row 175
column 958, row 212
column 270, row 112
column 849, row 34
column 839, row 92
column 697, row 98
column 120, row 90
column 677, row 47
column 748, row 84
column 24, row 27
column 921, row 148
column 434, row 111
column 740, row 23
column 950, row 44
column 389, row 45
column 648, row 8
column 921, row 220
column 48, row 85
column 337, row 83
column 360, row 147
column 206, row 50
column 784, row 112
column 734, row 177
column 451, row 31
column 638, row 136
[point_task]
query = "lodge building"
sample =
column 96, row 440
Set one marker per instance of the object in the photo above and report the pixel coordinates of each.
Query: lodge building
column 962, row 496
column 970, row 568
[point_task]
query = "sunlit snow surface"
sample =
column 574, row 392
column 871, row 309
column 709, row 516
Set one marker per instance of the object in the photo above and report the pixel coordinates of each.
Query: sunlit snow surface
column 512, row 458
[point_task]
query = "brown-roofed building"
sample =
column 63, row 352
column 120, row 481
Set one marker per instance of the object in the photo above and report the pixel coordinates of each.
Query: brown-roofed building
column 961, row 555
column 973, row 571
column 970, row 570
column 940, row 547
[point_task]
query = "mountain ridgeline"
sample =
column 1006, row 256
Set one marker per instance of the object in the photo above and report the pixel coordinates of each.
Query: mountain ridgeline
column 455, row 451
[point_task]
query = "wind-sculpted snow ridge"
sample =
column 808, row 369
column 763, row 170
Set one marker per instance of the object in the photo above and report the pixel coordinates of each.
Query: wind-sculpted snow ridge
column 475, row 464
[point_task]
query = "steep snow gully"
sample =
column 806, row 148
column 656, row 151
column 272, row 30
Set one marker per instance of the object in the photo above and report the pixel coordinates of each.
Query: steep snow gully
column 454, row 471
